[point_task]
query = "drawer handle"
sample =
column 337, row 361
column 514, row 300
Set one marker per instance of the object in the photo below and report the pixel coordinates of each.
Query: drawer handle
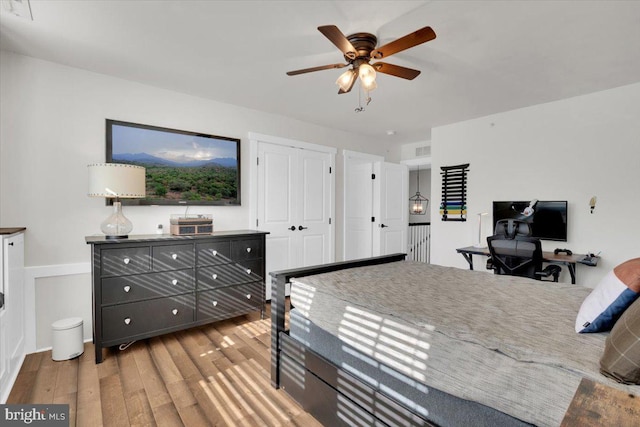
column 126, row 260
column 248, row 271
column 174, row 256
column 127, row 320
column 174, row 282
column 127, row 288
column 214, row 252
column 214, row 276
column 174, row 311
column 248, row 296
column 215, row 303
column 248, row 249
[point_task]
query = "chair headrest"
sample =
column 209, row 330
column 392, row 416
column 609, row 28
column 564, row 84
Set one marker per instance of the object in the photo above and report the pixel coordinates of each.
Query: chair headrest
column 511, row 228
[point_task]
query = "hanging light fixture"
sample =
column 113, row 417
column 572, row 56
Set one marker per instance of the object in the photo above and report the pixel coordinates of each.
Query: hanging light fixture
column 418, row 203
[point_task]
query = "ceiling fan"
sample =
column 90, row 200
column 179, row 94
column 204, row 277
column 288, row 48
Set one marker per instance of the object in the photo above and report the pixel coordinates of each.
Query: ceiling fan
column 360, row 48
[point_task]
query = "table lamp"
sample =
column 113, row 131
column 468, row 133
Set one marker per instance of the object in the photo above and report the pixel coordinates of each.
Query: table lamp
column 116, row 181
column 480, row 243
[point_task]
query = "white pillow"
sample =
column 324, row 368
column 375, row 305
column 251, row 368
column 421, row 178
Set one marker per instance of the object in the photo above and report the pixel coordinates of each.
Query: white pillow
column 604, row 305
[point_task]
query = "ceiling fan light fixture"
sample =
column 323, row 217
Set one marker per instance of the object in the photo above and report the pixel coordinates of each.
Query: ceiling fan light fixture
column 345, row 81
column 369, row 86
column 367, row 76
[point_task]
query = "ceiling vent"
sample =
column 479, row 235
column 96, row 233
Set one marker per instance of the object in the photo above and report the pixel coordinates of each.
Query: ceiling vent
column 423, row 151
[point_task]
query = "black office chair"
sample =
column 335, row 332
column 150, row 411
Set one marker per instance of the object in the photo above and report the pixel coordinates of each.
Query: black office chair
column 520, row 256
column 508, row 229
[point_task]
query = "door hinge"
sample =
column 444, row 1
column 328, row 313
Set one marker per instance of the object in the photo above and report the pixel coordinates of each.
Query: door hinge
column 329, row 221
column 257, row 161
column 373, row 219
column 256, row 222
column 373, row 176
column 329, row 169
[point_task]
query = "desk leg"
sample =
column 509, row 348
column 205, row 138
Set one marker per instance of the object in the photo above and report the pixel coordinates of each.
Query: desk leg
column 469, row 259
column 572, row 270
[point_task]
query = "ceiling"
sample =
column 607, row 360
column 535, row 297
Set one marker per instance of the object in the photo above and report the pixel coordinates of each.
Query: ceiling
column 488, row 57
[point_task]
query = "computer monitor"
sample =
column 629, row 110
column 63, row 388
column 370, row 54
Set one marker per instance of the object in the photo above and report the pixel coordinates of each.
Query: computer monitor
column 548, row 221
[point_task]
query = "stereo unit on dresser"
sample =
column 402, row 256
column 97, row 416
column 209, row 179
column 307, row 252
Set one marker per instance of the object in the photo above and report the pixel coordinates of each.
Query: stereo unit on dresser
column 150, row 285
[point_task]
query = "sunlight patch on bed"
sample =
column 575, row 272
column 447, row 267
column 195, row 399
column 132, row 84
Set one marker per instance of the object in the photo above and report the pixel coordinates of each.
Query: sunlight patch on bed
column 392, row 343
column 301, row 298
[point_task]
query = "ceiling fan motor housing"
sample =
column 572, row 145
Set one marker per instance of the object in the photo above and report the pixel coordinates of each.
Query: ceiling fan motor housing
column 364, row 43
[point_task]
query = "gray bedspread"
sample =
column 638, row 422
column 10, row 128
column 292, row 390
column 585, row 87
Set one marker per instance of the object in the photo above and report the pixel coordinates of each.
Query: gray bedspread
column 505, row 342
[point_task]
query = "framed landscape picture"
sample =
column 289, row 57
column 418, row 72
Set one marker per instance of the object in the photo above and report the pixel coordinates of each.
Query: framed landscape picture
column 182, row 167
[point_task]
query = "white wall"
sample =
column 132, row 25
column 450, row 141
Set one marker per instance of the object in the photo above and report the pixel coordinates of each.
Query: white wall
column 52, row 125
column 566, row 150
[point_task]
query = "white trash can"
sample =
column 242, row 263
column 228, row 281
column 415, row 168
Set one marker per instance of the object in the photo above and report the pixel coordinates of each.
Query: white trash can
column 67, row 339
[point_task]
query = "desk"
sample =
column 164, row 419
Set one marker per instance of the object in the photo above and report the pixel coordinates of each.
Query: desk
column 563, row 259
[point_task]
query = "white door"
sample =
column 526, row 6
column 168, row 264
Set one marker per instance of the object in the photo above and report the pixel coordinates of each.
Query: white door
column 390, row 235
column 294, row 206
column 276, row 205
column 358, row 224
column 313, row 207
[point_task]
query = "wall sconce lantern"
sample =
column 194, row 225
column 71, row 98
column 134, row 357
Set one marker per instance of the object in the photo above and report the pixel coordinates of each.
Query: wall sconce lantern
column 418, row 203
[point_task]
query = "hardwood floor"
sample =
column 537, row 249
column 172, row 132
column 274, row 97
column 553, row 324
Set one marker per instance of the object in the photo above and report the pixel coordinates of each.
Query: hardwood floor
column 212, row 375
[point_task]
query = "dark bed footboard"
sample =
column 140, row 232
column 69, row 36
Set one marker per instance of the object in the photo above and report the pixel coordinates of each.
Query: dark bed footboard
column 279, row 279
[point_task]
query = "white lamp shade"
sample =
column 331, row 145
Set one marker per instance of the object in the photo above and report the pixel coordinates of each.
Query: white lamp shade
column 113, row 180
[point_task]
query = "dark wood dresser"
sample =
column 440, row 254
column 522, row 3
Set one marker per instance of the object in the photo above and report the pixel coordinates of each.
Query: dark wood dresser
column 149, row 285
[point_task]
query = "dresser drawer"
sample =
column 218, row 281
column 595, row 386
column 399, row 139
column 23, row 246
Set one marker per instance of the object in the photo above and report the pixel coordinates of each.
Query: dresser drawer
column 222, row 275
column 254, row 268
column 144, row 286
column 121, row 261
column 172, row 257
column 232, row 300
column 213, row 253
column 246, row 249
column 146, row 317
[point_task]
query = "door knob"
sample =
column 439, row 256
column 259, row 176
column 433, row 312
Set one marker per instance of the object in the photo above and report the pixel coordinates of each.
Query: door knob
column 302, row 228
column 383, row 226
column 292, row 228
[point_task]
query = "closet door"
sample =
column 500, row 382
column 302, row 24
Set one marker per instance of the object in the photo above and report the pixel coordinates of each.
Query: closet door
column 358, row 201
column 294, row 206
column 277, row 206
column 313, row 207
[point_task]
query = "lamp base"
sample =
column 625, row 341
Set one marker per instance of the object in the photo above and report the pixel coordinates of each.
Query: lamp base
column 116, row 226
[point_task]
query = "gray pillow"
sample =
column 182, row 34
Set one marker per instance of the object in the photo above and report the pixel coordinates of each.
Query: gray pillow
column 621, row 358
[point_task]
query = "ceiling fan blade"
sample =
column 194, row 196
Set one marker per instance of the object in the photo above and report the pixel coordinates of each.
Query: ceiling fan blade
column 420, row 36
column 396, row 70
column 320, row 68
column 337, row 38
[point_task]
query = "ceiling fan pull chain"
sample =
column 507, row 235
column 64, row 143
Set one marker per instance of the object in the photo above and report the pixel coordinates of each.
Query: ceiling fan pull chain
column 359, row 108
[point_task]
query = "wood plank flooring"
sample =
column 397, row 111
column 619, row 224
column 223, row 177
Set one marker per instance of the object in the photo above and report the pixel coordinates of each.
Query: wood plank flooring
column 214, row 375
